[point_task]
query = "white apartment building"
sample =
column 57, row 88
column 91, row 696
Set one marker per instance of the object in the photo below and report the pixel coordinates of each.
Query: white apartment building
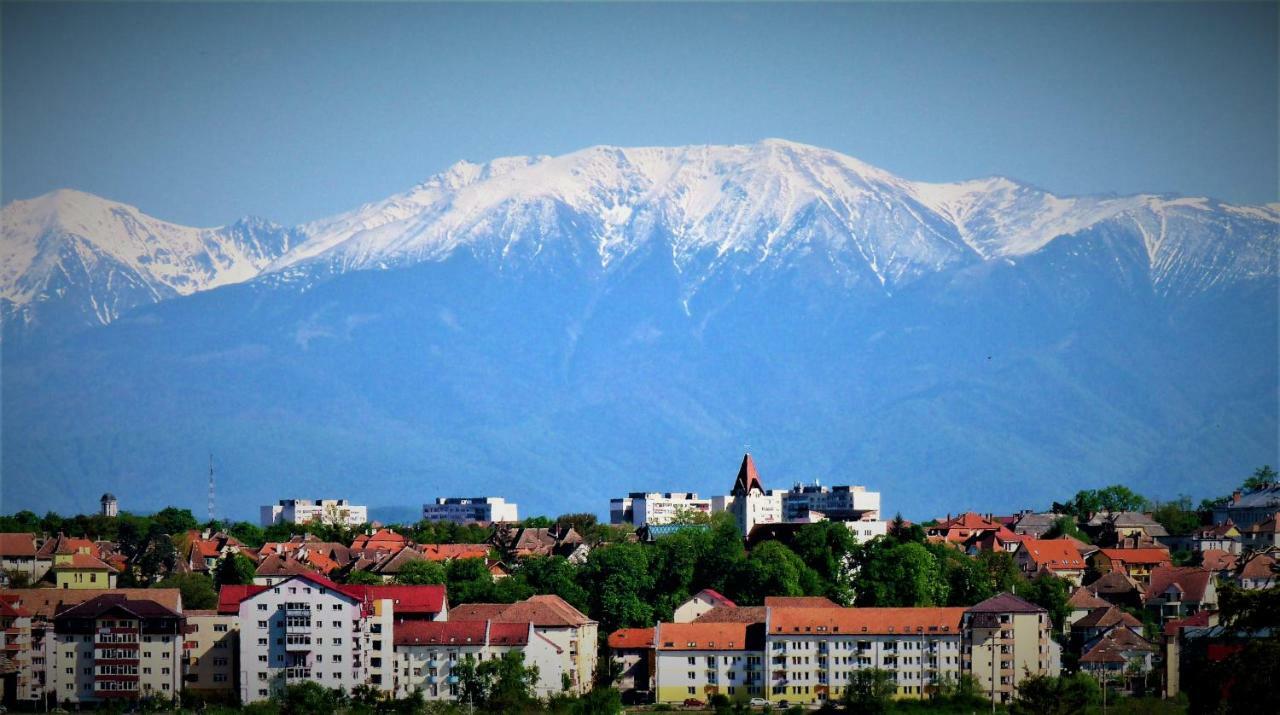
column 470, row 510
column 640, row 508
column 698, row 660
column 301, row 511
column 310, row 628
column 428, row 652
column 112, row 647
column 839, row 503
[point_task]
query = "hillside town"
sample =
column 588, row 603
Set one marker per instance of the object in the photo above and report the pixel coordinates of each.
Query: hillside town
column 799, row 598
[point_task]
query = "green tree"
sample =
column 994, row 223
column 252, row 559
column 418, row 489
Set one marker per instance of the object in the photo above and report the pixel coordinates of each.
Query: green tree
column 469, row 581
column 365, row 578
column 968, row 581
column 1002, row 571
column 898, row 574
column 420, row 573
column 248, row 533
column 771, row 569
column 234, row 569
column 553, row 575
column 827, row 547
column 689, row 515
column 869, row 691
column 1051, row 593
column 173, row 520
column 617, row 581
column 197, row 589
column 306, row 698
column 1066, row 526
column 1261, row 477
column 1046, row 695
column 1177, row 517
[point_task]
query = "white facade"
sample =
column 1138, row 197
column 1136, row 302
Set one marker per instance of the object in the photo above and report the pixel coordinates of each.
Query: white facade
column 301, row 511
column 840, row 503
column 750, row 509
column 468, row 510
column 640, row 508
column 300, row 630
column 428, row 667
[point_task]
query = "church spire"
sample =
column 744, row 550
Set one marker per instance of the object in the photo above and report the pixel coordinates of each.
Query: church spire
column 748, row 478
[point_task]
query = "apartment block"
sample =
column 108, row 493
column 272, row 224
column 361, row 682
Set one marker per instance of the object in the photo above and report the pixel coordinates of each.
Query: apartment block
column 302, row 511
column 470, row 510
column 698, row 660
column 1006, row 639
column 640, row 508
column 114, row 647
column 308, row 628
column 554, row 620
column 211, row 653
column 428, row 653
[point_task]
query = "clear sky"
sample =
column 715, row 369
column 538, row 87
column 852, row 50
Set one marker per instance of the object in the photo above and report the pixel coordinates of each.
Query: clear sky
column 201, row 114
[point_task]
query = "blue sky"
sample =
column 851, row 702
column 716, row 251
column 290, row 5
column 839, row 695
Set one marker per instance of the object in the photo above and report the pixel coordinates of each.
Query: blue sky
column 200, row 114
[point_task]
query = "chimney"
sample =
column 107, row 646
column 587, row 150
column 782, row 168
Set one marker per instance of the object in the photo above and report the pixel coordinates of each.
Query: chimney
column 1235, row 496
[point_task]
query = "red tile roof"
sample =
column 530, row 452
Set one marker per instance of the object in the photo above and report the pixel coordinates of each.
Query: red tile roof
column 1218, row 559
column 714, row 595
column 1193, row 581
column 445, row 552
column 799, row 602
column 1260, row 566
column 708, row 636
column 45, row 602
column 476, row 611
column 1201, row 619
column 510, row 634
column 1005, row 603
column 1137, row 556
column 83, row 562
column 733, row 614
column 408, row 599
column 864, row 620
column 18, row 544
column 1107, row 617
column 439, row 633
column 1053, row 554
column 631, row 638
column 1116, row 647
column 1083, row 598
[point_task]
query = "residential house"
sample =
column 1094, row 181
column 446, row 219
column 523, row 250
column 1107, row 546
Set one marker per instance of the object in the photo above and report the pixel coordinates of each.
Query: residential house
column 378, row 544
column 1034, row 525
column 1221, row 563
column 961, row 529
column 1121, row 656
column 1258, row 571
column 1178, row 591
column 81, row 570
column 1135, row 563
column 1007, row 639
column 18, row 556
column 115, row 647
column 1217, row 537
column 211, row 654
column 1263, row 534
column 554, row 619
column 1082, row 602
column 1117, row 588
column 631, row 650
column 698, row 604
column 1245, row 509
column 1125, row 529
column 205, row 548
column 427, row 654
column 1058, row 557
column 1098, row 623
column 522, row 542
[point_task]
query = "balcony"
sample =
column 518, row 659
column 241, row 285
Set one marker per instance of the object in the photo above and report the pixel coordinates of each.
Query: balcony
column 292, row 625
column 297, row 643
column 297, row 673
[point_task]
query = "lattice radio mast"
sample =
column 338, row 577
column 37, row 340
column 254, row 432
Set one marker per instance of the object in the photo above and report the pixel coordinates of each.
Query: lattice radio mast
column 211, row 501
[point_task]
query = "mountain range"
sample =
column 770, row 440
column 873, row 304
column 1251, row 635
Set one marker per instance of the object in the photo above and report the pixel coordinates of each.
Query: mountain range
column 560, row 330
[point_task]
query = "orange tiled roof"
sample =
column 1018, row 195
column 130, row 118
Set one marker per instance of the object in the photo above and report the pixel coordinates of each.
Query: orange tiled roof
column 625, row 638
column 865, row 620
column 1053, row 554
column 799, row 602
column 446, row 552
column 1261, row 566
column 46, row 602
column 84, row 562
column 1218, row 559
column 707, row 636
column 18, row 544
column 1137, row 556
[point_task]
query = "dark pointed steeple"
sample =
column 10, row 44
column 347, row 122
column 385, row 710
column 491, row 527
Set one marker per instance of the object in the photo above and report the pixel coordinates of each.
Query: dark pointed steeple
column 748, row 478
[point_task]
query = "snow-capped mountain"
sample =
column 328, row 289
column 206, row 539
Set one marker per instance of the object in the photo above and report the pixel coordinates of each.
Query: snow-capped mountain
column 88, row 260
column 716, row 207
column 714, row 211
column 562, row 330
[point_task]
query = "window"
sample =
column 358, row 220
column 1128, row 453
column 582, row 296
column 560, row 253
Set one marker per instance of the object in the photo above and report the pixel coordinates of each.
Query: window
column 262, row 624
column 337, row 658
column 692, row 690
column 262, row 676
column 262, row 659
column 262, row 641
column 262, row 692
column 219, row 677
column 262, row 606
column 219, row 628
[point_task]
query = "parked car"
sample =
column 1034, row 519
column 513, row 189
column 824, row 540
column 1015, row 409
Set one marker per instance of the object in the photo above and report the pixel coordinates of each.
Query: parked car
column 693, row 703
column 759, row 702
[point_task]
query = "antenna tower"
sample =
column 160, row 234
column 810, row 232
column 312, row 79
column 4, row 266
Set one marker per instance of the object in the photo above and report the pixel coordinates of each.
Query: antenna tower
column 211, row 502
